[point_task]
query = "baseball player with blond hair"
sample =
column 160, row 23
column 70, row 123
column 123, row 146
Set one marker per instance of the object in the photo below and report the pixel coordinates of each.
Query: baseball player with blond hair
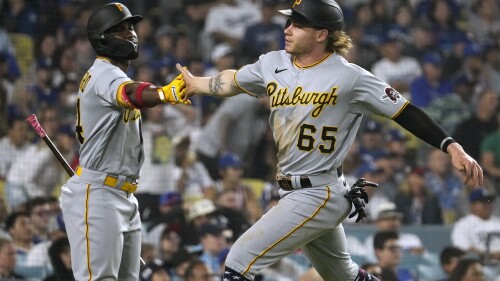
column 100, row 211
column 317, row 102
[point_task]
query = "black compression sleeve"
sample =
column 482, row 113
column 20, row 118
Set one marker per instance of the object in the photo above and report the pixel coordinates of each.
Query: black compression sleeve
column 417, row 122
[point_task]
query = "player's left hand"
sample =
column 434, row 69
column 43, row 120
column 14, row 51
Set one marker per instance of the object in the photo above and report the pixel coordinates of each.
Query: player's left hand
column 359, row 198
column 467, row 165
column 175, row 92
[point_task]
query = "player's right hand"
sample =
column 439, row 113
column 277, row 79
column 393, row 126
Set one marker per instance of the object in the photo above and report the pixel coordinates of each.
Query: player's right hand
column 175, row 92
column 189, row 79
column 358, row 197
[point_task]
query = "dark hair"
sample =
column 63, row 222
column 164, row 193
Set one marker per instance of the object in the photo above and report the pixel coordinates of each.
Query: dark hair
column 449, row 252
column 32, row 203
column 382, row 236
column 12, row 218
column 191, row 268
column 461, row 269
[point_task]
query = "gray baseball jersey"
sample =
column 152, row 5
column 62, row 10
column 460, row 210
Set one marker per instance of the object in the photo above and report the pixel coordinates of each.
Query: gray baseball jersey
column 111, row 139
column 102, row 221
column 315, row 114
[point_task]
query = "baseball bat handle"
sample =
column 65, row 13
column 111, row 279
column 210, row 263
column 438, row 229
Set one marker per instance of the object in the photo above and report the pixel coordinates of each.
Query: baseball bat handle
column 33, row 121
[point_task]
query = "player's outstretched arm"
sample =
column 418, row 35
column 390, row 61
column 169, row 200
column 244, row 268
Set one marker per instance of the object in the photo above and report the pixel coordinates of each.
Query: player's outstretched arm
column 222, row 84
column 135, row 94
column 417, row 122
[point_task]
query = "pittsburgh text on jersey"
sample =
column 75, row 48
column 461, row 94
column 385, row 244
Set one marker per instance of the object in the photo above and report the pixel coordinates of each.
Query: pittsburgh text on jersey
column 281, row 97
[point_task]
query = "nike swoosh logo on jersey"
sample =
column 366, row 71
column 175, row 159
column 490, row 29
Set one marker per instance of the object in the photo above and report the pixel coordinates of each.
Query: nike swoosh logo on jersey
column 279, row 70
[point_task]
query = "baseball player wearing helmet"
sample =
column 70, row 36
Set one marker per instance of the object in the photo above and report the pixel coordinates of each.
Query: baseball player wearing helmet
column 99, row 208
column 317, row 102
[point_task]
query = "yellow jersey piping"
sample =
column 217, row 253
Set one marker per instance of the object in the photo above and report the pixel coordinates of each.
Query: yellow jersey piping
column 87, row 240
column 311, row 65
column 401, row 109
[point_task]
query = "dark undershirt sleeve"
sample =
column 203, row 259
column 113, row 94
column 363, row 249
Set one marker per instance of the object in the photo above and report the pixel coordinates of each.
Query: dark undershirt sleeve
column 417, row 122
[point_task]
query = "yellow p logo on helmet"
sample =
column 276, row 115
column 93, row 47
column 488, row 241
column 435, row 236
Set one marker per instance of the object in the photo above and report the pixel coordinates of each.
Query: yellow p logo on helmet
column 297, row 2
column 119, row 6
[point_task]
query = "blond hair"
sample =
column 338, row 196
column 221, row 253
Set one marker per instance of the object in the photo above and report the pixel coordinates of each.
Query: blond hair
column 338, row 42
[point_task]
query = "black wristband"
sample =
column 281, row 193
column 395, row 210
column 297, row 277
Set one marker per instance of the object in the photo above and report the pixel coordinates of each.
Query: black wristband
column 447, row 141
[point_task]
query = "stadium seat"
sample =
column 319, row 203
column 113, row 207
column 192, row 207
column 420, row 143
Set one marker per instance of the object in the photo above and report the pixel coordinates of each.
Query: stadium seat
column 24, row 46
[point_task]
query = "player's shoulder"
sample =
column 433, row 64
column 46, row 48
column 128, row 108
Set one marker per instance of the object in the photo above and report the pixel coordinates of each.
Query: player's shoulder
column 104, row 68
column 275, row 55
column 342, row 65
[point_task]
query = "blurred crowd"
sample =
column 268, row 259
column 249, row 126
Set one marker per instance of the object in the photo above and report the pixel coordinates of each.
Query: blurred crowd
column 210, row 167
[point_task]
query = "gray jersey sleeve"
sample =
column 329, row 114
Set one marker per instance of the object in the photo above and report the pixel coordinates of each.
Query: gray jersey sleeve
column 371, row 95
column 107, row 84
column 251, row 74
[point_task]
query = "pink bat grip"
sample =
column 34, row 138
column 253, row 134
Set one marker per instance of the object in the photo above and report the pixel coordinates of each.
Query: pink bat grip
column 36, row 125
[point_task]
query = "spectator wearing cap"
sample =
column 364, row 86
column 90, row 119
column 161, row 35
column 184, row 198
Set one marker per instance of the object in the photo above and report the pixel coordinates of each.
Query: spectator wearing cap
column 231, row 173
column 222, row 57
column 213, row 242
column 372, row 142
column 422, row 39
column 227, row 21
column 431, row 84
column 402, row 157
column 164, row 38
column 472, row 63
column 394, row 68
column 415, row 201
column 451, row 110
column 199, row 213
column 388, row 218
column 46, row 93
column 470, row 232
column 264, row 36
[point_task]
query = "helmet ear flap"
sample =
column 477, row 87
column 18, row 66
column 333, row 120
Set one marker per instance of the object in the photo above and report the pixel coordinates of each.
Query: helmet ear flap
column 100, row 42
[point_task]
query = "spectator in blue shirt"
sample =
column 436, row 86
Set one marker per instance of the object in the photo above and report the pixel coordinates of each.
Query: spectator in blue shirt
column 430, row 84
column 264, row 36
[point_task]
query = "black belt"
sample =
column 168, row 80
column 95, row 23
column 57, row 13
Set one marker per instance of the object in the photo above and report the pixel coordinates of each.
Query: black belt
column 285, row 182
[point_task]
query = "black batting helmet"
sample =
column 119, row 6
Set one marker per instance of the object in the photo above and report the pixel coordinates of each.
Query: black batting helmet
column 104, row 18
column 320, row 13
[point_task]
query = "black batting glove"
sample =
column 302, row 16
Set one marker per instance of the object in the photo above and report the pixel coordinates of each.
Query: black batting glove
column 359, row 198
